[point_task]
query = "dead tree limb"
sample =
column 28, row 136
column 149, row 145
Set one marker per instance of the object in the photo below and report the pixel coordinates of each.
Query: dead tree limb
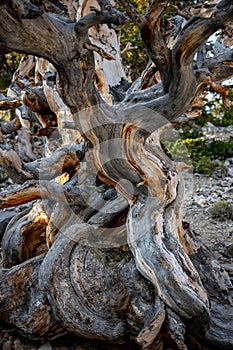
column 135, row 273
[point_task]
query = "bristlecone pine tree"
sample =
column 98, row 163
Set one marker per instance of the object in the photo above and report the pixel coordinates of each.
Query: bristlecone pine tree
column 102, row 253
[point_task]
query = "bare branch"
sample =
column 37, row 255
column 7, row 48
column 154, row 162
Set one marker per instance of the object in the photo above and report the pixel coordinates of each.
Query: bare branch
column 155, row 10
column 33, row 189
column 47, row 36
column 27, row 63
column 9, row 102
column 154, row 41
column 198, row 29
column 10, row 127
column 108, row 211
column 99, row 50
column 128, row 48
column 40, row 23
column 133, row 13
column 144, row 95
column 183, row 14
column 183, row 84
column 149, row 25
column 99, row 17
column 26, row 9
column 13, row 165
column 221, row 66
column 64, row 159
column 29, row 191
column 105, row 4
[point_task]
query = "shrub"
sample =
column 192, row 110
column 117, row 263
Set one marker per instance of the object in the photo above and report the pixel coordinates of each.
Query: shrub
column 205, row 166
column 222, row 210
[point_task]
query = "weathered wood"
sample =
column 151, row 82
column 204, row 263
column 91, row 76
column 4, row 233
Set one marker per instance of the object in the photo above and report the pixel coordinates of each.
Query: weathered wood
column 24, row 146
column 20, row 292
column 120, row 263
column 24, row 237
column 218, row 286
column 13, row 165
column 33, row 189
column 63, row 114
column 98, row 301
column 12, row 126
column 8, row 103
column 64, row 159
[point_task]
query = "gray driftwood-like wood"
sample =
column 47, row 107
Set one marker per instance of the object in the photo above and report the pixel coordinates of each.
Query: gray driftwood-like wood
column 104, row 253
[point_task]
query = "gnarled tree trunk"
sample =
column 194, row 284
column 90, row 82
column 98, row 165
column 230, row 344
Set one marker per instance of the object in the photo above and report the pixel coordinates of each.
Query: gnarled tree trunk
column 104, row 253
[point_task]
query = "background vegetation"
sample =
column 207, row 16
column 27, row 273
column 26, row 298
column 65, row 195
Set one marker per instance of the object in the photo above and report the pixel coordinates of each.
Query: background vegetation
column 209, row 150
column 8, row 64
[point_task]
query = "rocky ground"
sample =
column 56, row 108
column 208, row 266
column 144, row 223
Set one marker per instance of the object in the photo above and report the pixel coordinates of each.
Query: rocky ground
column 207, row 191
column 215, row 233
column 202, row 192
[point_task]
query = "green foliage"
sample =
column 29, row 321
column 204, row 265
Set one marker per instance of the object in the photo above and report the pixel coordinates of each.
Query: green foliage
column 5, row 116
column 221, row 149
column 225, row 119
column 215, row 112
column 8, row 64
column 196, row 151
column 222, row 210
column 205, row 166
column 206, row 154
column 195, row 147
column 176, row 149
column 204, row 118
column 200, row 147
column 136, row 60
column 171, row 11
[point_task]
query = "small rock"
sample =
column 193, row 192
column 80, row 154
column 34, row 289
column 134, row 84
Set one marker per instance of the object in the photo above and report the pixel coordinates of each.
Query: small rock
column 45, row 346
column 7, row 345
column 18, row 345
column 219, row 245
column 228, row 252
column 230, row 297
column 228, row 268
